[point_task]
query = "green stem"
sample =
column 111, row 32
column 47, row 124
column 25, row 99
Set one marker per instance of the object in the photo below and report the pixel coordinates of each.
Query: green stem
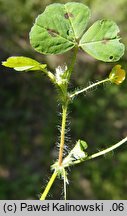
column 49, row 74
column 89, row 87
column 108, row 149
column 71, row 67
column 63, row 127
column 46, row 191
column 62, row 137
column 100, row 153
column 65, row 190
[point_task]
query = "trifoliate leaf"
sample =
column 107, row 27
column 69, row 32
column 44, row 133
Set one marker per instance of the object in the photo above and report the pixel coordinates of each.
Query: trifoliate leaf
column 102, row 41
column 59, row 27
column 20, row 63
column 117, row 75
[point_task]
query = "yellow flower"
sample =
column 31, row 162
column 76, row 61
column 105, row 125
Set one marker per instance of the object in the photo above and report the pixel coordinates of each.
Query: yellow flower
column 117, row 75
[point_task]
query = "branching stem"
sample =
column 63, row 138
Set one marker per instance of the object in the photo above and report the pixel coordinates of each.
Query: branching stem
column 63, row 127
column 65, row 102
column 62, row 139
column 89, row 87
column 105, row 151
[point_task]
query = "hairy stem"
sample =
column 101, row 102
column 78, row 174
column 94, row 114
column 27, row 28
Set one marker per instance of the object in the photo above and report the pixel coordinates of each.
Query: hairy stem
column 65, row 189
column 46, row 191
column 62, row 137
column 89, row 87
column 108, row 149
column 101, row 152
column 63, row 127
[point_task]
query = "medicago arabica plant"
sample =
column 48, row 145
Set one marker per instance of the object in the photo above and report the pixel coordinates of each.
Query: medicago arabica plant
column 60, row 28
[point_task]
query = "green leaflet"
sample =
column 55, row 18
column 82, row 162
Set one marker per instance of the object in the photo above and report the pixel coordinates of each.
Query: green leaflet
column 57, row 29
column 101, row 41
column 21, row 63
column 78, row 15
